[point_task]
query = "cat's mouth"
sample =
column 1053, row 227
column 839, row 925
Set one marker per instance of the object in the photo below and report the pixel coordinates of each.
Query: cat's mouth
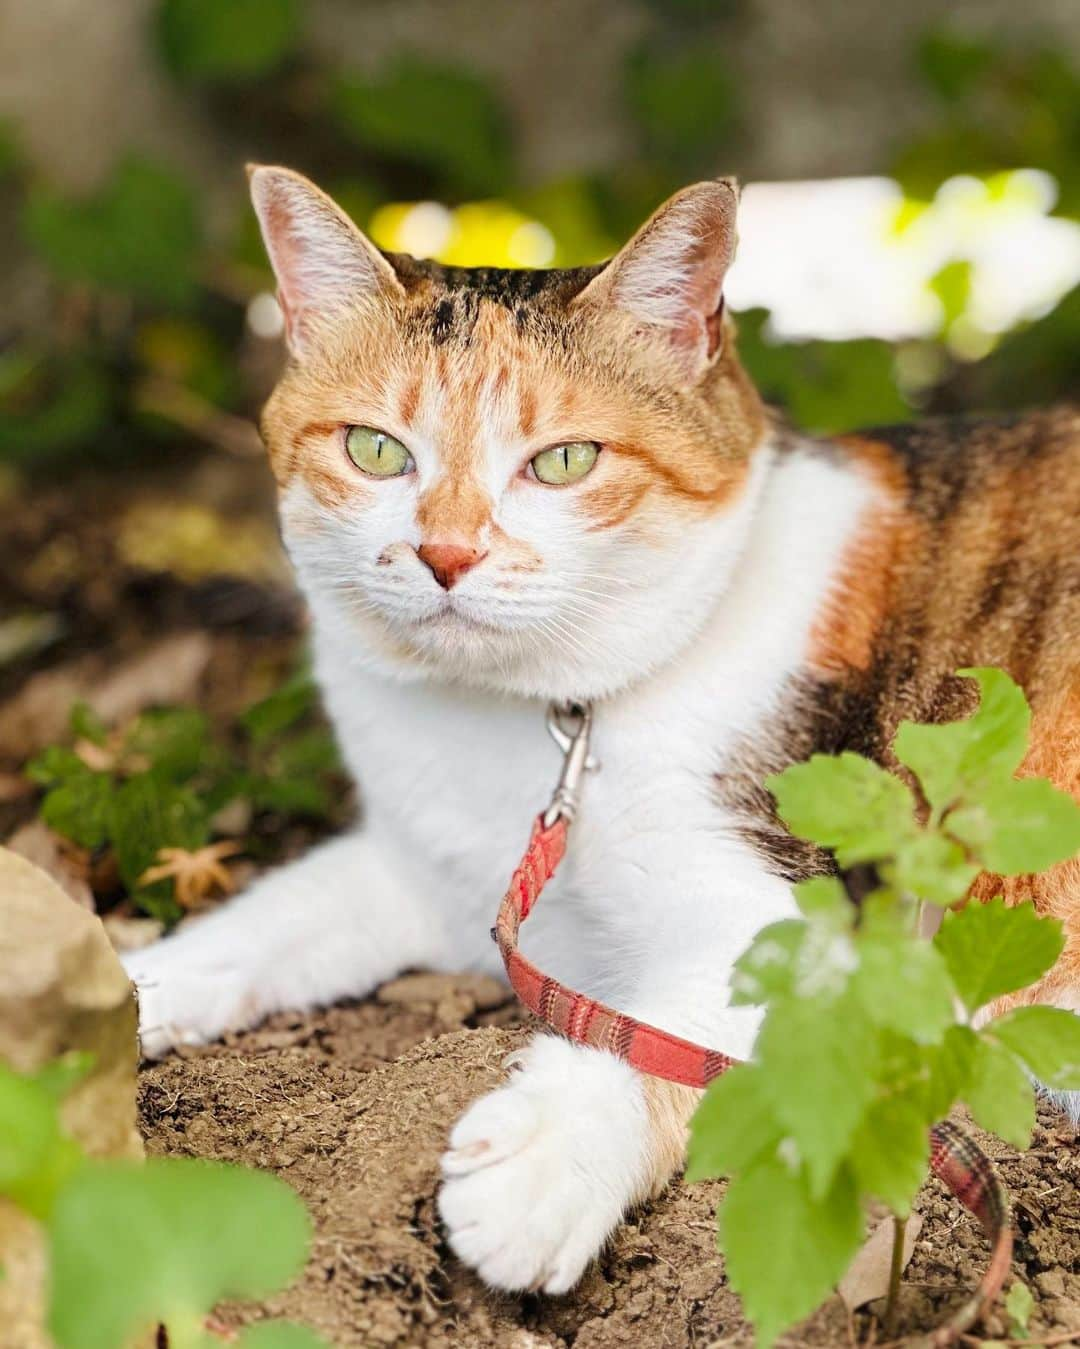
column 454, row 615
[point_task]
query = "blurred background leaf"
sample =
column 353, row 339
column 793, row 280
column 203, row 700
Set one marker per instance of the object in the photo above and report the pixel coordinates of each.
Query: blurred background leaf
column 227, row 39
column 139, row 236
column 443, row 120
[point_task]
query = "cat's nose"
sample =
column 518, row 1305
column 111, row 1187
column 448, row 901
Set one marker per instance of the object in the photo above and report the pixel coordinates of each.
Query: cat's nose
column 448, row 561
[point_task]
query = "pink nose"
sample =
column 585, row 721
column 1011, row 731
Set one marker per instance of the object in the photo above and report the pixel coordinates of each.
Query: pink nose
column 448, row 561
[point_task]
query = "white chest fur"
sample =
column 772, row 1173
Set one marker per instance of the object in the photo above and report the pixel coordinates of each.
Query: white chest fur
column 451, row 778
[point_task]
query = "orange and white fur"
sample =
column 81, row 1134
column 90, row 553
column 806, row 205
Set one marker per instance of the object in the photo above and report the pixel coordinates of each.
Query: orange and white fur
column 730, row 594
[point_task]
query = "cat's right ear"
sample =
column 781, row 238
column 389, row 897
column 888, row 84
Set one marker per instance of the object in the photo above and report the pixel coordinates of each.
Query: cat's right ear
column 322, row 262
column 669, row 278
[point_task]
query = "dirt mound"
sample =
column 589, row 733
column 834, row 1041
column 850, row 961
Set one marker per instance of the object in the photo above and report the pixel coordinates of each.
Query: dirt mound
column 353, row 1108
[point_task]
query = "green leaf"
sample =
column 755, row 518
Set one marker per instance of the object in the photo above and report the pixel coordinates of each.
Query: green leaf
column 903, row 984
column 288, row 796
column 765, row 972
column 443, row 118
column 87, row 725
column 227, row 39
column 999, row 1094
column 682, row 99
column 1019, row 1304
column 186, row 1234
column 59, row 1076
column 950, row 1066
column 1046, row 1039
column 819, row 1058
column 890, row 1152
column 54, row 765
column 1018, row 826
column 827, row 387
column 991, row 949
column 79, row 807
column 140, row 235
column 313, row 752
column 796, row 959
column 953, row 63
column 175, row 740
column 291, row 702
column 785, row 1248
column 733, row 1125
column 846, row 803
column 280, row 1335
column 952, row 285
column 52, row 403
column 932, row 867
column 28, row 1127
column 824, row 896
column 36, row 1157
column 949, row 760
column 146, row 815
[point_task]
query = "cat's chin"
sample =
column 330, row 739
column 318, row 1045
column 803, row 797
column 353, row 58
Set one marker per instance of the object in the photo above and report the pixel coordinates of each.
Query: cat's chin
column 454, row 648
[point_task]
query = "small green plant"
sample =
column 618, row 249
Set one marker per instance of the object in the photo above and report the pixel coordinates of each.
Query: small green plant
column 132, row 1246
column 868, row 1037
column 160, row 785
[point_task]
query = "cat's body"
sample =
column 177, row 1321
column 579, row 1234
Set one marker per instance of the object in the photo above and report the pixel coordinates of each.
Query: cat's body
column 732, row 597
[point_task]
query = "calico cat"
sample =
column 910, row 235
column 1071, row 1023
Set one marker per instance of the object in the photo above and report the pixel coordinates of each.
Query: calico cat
column 504, row 487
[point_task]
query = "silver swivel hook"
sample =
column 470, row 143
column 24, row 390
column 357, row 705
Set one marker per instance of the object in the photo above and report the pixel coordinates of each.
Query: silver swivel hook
column 569, row 725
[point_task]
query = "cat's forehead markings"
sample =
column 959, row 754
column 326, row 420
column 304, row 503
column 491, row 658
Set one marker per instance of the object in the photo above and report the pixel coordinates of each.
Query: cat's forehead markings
column 527, row 412
column 410, row 400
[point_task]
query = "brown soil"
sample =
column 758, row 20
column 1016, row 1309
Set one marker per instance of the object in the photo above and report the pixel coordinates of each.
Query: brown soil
column 353, row 1106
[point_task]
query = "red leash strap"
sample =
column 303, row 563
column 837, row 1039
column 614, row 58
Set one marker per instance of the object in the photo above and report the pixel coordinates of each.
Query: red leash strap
column 954, row 1156
column 573, row 1014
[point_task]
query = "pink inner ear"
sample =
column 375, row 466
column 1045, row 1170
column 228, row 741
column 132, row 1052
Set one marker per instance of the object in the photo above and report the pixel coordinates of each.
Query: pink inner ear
column 671, row 274
column 286, row 314
column 714, row 330
column 703, row 292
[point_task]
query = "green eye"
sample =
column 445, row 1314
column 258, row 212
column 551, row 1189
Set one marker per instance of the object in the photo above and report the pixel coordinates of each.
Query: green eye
column 565, row 463
column 376, row 453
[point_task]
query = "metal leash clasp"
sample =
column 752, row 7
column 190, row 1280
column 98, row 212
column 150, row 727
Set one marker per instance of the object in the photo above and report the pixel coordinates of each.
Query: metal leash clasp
column 569, row 725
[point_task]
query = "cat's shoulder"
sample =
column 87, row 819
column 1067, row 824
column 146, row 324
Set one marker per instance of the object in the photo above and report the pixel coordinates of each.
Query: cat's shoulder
column 939, row 462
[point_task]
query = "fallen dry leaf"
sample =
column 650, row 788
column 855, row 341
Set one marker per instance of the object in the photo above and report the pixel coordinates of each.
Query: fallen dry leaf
column 868, row 1274
column 197, row 873
column 56, row 857
column 15, row 787
column 166, row 672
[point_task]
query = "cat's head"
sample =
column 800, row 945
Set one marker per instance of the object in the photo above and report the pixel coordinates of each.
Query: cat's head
column 536, row 481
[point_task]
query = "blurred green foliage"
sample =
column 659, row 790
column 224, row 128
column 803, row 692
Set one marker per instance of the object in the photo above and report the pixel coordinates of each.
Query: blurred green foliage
column 1000, row 107
column 227, row 39
column 139, row 236
column 448, row 122
column 187, row 1233
column 147, row 284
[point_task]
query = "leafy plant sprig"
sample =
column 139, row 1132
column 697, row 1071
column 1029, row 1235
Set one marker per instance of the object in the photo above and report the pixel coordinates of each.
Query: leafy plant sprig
column 133, row 1245
column 158, row 785
column 871, row 1033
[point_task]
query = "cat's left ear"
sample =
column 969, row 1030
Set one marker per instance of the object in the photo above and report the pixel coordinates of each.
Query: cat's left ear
column 670, row 276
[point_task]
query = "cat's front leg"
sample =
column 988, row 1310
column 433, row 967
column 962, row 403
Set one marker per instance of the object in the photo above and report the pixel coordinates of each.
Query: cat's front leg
column 540, row 1172
column 331, row 925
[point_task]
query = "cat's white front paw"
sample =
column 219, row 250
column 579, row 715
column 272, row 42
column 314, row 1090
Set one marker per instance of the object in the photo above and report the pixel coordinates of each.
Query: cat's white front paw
column 540, row 1172
column 189, row 994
